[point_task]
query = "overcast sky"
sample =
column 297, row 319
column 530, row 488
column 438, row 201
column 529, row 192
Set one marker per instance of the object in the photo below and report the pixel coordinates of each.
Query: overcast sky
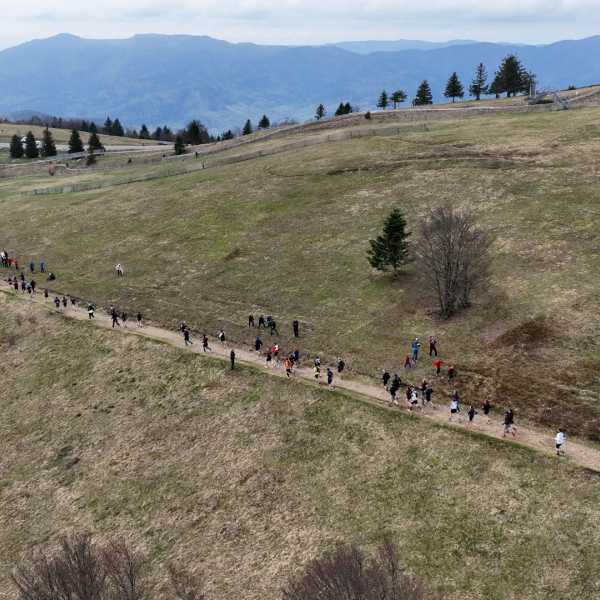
column 304, row 21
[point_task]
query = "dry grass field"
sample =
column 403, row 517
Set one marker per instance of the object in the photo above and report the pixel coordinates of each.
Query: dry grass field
column 246, row 477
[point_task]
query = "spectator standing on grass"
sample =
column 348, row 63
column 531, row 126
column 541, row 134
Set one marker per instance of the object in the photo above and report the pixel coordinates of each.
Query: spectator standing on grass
column 509, row 423
column 559, row 442
column 296, row 328
column 45, row 294
column 119, row 270
column 65, row 301
column 407, row 362
column 205, row 346
column 42, row 267
column 261, row 322
column 341, row 365
column 57, row 302
column 90, row 309
column 329, row 378
column 437, row 365
column 124, row 317
column 296, row 355
column 232, row 359
column 186, row 337
column 258, row 343
column 416, row 346
column 31, row 266
column 451, row 373
column 251, row 321
column 385, row 378
column 471, row 413
column 432, row 346
column 139, row 320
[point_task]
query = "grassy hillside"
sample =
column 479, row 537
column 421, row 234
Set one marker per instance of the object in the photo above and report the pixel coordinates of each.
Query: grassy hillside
column 286, row 235
column 61, row 136
column 246, row 477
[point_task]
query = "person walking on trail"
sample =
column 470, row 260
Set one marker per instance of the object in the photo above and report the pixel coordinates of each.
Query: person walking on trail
column 416, row 346
column 182, row 326
column 407, row 362
column 23, row 286
column 16, row 285
column 31, row 266
column 114, row 315
column 559, row 442
column 451, row 373
column 90, row 310
column 258, row 343
column 57, row 302
column 124, row 317
column 251, row 321
column 432, row 346
column 273, row 327
column 423, row 390
column 186, row 337
column 341, row 365
column 414, row 399
column 205, row 346
column 42, row 267
column 296, row 355
column 428, row 395
column 120, row 271
column 275, row 353
column 330, row 378
column 73, row 301
column 268, row 359
column 139, row 320
column 288, row 365
column 487, row 409
column 471, row 413
column 385, row 378
column 261, row 322
column 394, row 387
column 32, row 284
column 296, row 328
column 22, row 276
column 509, row 423
column 221, row 336
column 454, row 409
column 437, row 366
column 45, row 294
column 232, row 359
column 317, row 371
column 317, row 361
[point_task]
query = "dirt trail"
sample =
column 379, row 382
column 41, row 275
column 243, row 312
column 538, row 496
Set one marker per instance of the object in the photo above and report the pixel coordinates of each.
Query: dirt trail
column 578, row 452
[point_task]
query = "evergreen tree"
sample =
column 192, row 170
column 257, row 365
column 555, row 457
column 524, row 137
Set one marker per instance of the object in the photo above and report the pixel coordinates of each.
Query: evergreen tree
column 179, row 145
column 383, row 100
column 454, row 88
column 424, row 95
column 227, row 135
column 144, row 133
column 398, row 97
column 496, row 87
column 16, row 147
column 31, row 149
column 48, row 145
column 75, row 143
column 320, row 113
column 158, row 133
column 247, row 128
column 108, row 126
column 195, row 133
column 340, row 110
column 167, row 134
column 91, row 158
column 512, row 76
column 84, row 126
column 391, row 248
column 479, row 85
column 264, row 123
column 93, row 128
column 348, row 108
column 117, row 128
column 94, row 143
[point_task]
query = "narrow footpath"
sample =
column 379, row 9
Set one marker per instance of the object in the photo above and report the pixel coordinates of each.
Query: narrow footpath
column 578, row 452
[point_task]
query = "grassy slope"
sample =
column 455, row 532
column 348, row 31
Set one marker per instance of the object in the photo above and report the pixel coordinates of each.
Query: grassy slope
column 61, row 136
column 247, row 477
column 286, row 235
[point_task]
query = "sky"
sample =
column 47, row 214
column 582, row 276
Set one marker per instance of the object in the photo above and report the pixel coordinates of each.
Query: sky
column 304, row 21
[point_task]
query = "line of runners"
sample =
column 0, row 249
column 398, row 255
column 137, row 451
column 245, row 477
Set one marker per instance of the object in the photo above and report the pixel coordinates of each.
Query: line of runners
column 273, row 355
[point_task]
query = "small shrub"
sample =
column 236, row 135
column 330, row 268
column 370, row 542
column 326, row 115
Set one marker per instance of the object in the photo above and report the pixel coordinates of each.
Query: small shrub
column 368, row 115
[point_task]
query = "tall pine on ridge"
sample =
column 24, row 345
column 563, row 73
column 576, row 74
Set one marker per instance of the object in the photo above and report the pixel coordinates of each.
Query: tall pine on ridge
column 48, row 145
column 424, row 95
column 75, row 143
column 479, row 85
column 16, row 147
column 454, row 88
column 31, row 149
column 391, row 249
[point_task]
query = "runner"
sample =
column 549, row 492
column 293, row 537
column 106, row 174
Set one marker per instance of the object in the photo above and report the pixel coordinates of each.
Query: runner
column 416, row 346
column 73, row 301
column 120, row 271
column 221, row 336
column 275, row 352
column 232, row 359
column 296, row 355
column 261, row 322
column 341, row 365
column 385, row 378
column 414, row 399
column 394, row 387
column 451, row 373
column 407, row 362
column 454, row 409
column 428, row 394
column 124, row 317
column 139, row 320
column 330, row 378
column 258, row 344
column 90, row 310
column 559, row 441
column 32, row 283
column 268, row 359
column 250, row 320
column 423, row 390
column 409, row 391
column 45, row 294
column 296, row 328
column 487, row 409
column 317, row 371
column 437, row 365
column 57, row 302
column 317, row 361
column 288, row 365
column 205, row 346
column 273, row 327
column 114, row 316
column 509, row 423
column 432, row 346
column 186, row 337
column 471, row 412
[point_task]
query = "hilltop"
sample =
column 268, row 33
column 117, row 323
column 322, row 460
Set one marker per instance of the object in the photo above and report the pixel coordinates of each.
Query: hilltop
column 157, row 79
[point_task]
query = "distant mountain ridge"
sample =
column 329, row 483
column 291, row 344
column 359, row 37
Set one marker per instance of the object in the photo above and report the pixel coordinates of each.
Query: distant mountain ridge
column 158, row 79
column 370, row 46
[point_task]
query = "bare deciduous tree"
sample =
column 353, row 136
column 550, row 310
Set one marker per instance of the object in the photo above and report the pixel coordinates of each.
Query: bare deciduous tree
column 454, row 258
column 348, row 574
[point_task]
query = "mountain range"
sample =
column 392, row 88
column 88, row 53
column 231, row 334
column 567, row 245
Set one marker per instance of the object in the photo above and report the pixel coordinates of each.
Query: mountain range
column 170, row 79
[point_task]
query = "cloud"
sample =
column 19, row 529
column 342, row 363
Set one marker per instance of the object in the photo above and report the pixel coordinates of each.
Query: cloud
column 304, row 21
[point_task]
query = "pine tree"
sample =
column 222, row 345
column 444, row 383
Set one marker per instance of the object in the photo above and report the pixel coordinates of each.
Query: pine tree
column 479, row 85
column 167, row 134
column 398, row 97
column 16, row 147
column 108, row 126
column 195, row 133
column 117, row 128
column 48, row 145
column 144, row 133
column 179, row 145
column 391, row 249
column 454, row 88
column 496, row 87
column 91, row 158
column 340, row 110
column 227, row 135
column 31, row 149
column 75, row 143
column 84, row 126
column 348, row 108
column 512, row 76
column 320, row 113
column 247, row 128
column 264, row 123
column 424, row 95
column 383, row 100
column 158, row 133
column 94, row 143
column 93, row 128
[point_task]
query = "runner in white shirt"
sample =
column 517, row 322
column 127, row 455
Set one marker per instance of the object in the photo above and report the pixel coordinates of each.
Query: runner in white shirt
column 560, row 440
column 453, row 409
